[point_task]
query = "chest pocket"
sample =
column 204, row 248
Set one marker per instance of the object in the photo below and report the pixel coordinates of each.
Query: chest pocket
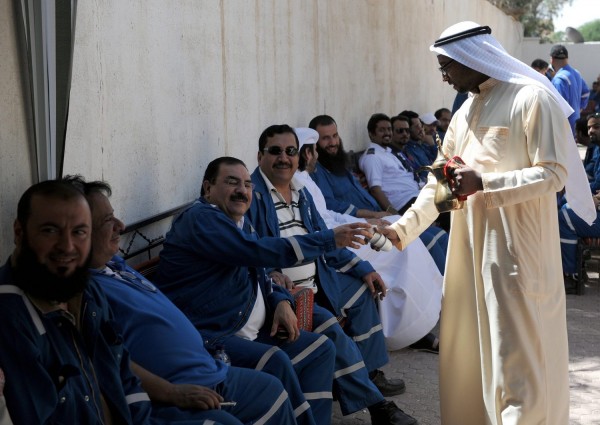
column 490, row 144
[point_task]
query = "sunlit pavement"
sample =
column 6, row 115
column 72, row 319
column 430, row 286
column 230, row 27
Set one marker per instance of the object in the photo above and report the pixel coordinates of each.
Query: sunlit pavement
column 420, row 370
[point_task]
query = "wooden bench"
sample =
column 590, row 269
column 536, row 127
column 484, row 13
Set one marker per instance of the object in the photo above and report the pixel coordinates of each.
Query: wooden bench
column 148, row 268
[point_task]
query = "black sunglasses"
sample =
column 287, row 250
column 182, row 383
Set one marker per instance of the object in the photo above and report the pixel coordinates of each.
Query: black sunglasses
column 277, row 150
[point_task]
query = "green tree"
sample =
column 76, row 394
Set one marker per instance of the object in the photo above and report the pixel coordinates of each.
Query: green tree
column 590, row 30
column 535, row 15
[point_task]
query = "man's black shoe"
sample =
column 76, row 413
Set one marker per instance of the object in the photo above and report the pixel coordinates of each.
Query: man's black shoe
column 387, row 413
column 570, row 283
column 429, row 343
column 387, row 387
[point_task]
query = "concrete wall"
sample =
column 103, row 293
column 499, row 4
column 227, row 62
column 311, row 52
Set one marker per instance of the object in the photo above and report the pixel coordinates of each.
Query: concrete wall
column 161, row 88
column 16, row 171
column 582, row 56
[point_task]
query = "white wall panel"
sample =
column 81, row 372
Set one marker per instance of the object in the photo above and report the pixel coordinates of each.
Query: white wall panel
column 160, row 88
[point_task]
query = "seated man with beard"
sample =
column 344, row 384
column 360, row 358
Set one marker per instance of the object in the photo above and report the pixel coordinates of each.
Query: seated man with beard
column 412, row 305
column 64, row 360
column 343, row 194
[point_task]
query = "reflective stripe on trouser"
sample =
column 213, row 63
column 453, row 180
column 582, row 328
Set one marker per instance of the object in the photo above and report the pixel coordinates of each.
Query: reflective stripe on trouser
column 571, row 227
column 171, row 415
column 351, row 386
column 268, row 403
column 436, row 241
column 363, row 325
column 304, row 367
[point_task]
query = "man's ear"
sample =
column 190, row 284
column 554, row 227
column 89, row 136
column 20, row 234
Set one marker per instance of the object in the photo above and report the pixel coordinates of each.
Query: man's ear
column 259, row 156
column 18, row 232
column 304, row 153
column 206, row 187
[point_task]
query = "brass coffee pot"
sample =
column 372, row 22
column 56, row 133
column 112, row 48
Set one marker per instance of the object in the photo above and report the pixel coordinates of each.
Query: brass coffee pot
column 444, row 199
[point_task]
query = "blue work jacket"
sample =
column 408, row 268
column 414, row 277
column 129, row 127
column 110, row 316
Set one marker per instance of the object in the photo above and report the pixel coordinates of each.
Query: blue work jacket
column 54, row 372
column 264, row 217
column 209, row 268
column 343, row 194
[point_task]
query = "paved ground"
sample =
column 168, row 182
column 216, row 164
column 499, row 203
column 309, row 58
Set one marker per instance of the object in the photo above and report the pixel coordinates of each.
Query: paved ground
column 420, row 370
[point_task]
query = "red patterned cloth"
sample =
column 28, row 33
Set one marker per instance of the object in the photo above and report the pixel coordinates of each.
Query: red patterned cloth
column 304, row 299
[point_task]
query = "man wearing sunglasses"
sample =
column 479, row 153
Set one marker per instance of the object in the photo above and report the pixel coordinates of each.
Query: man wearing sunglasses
column 420, row 145
column 399, row 143
column 342, row 283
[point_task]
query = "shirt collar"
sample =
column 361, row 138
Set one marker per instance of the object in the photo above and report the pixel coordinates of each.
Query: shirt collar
column 379, row 148
column 488, row 84
column 296, row 185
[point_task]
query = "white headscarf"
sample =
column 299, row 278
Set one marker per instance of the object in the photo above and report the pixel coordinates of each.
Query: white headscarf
column 483, row 53
column 306, row 136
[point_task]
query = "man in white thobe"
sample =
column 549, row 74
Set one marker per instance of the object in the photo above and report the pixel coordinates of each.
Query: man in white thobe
column 503, row 349
column 4, row 416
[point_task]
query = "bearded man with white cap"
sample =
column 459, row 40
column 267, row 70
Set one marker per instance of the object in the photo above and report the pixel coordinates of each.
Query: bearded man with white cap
column 503, row 348
column 412, row 305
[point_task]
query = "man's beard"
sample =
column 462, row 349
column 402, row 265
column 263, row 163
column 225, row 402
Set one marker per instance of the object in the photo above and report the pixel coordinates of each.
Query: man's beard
column 337, row 163
column 39, row 282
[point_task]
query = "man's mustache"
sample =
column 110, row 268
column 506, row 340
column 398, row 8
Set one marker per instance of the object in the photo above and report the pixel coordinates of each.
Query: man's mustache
column 239, row 197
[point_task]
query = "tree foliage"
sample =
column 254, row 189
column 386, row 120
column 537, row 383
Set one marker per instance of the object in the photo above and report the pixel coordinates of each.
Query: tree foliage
column 590, row 30
column 535, row 15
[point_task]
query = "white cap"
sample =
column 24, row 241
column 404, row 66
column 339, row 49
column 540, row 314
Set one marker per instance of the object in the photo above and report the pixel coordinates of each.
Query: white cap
column 428, row 118
column 306, row 136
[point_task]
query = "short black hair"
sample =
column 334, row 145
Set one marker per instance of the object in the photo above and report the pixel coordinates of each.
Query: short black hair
column 410, row 115
column 212, row 169
column 301, row 159
column 440, row 111
column 401, row 118
column 539, row 64
column 375, row 118
column 581, row 125
column 57, row 189
column 272, row 131
column 592, row 115
column 322, row 120
column 96, row 186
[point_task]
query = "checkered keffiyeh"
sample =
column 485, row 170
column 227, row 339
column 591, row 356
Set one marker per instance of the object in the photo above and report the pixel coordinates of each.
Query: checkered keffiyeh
column 483, row 53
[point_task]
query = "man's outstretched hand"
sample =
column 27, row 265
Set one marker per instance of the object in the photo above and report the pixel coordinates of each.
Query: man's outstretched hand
column 352, row 235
